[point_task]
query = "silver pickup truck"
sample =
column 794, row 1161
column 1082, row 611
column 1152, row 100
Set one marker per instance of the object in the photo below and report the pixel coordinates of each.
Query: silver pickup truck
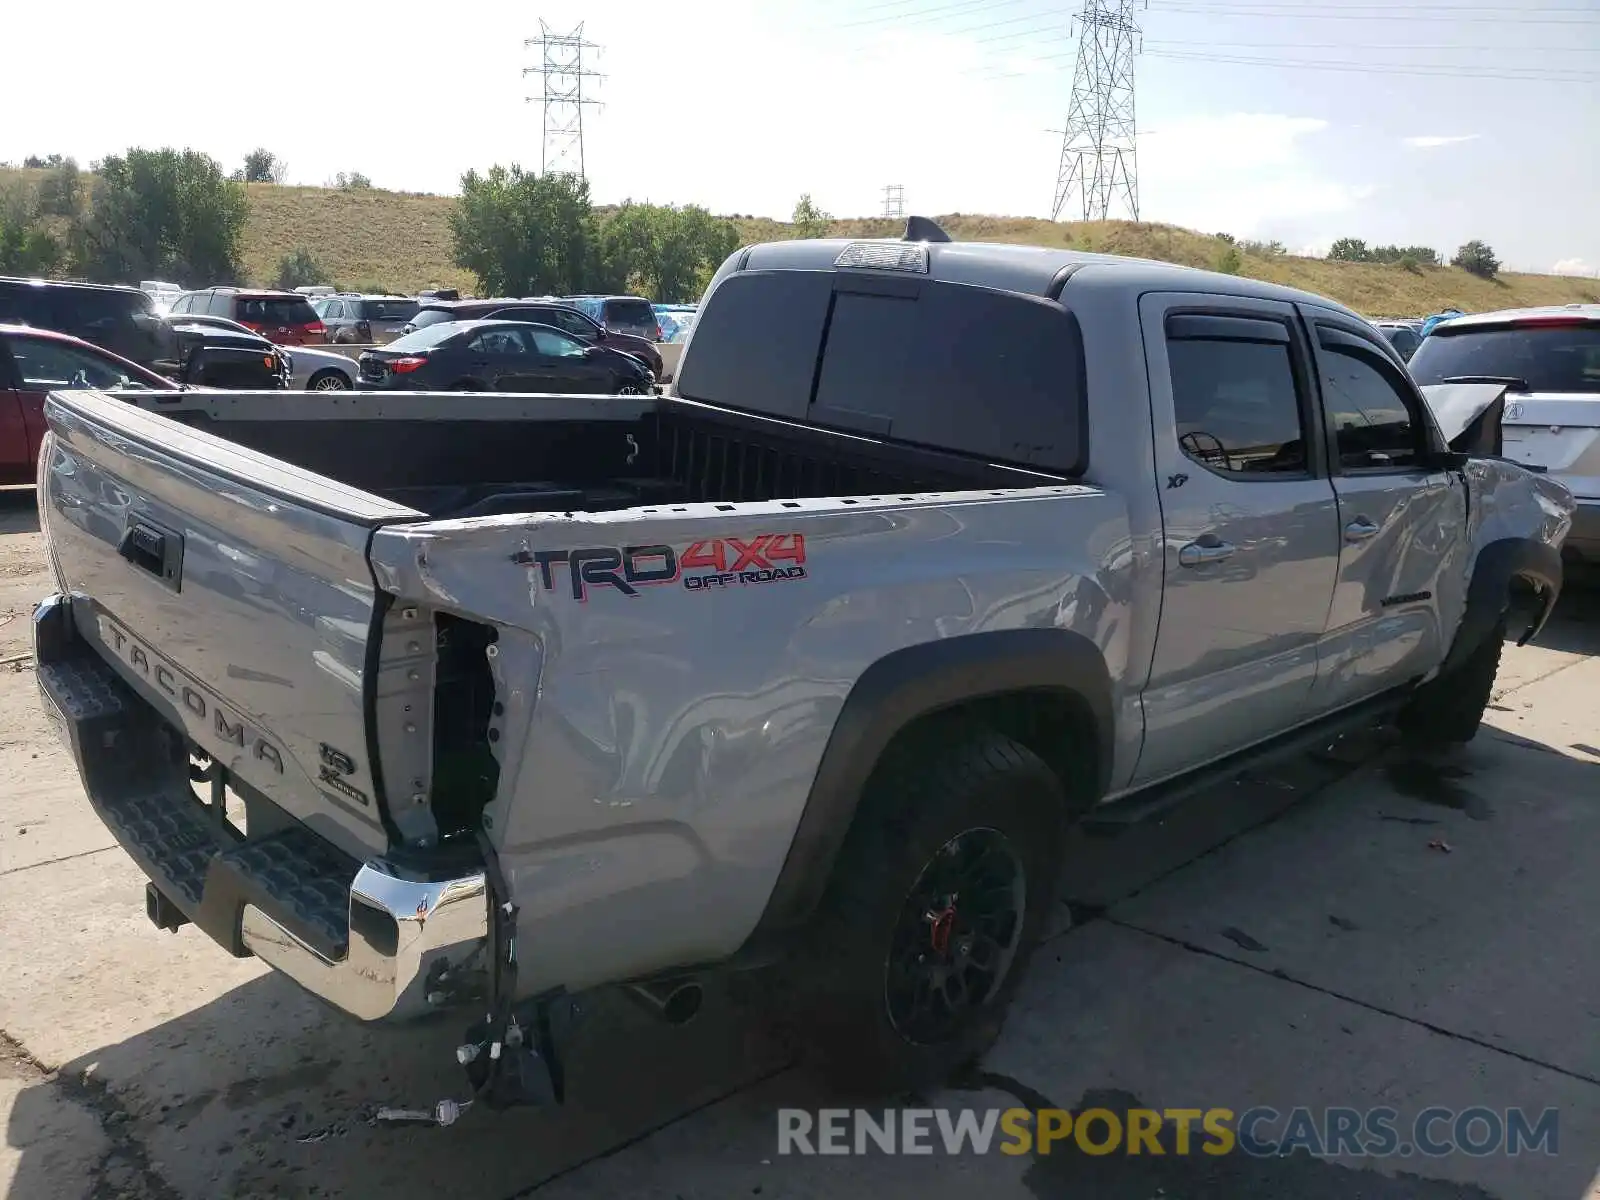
column 482, row 700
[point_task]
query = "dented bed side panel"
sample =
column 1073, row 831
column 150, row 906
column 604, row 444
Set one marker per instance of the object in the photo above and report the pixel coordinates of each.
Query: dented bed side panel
column 668, row 680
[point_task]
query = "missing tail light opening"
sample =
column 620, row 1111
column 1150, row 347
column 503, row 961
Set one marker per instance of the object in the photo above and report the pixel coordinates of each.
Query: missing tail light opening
column 465, row 770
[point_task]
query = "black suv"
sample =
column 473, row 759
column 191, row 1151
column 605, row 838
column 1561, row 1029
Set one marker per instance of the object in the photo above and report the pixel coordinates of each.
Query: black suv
column 122, row 320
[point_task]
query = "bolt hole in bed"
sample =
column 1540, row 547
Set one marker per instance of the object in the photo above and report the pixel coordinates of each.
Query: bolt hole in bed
column 583, row 454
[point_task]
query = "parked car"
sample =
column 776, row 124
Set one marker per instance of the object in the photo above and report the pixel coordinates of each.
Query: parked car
column 805, row 667
column 122, row 320
column 310, row 369
column 675, row 321
column 366, row 320
column 557, row 313
column 438, row 294
column 214, row 357
column 161, row 292
column 1402, row 335
column 1550, row 358
column 34, row 362
column 282, row 317
column 500, row 356
column 620, row 314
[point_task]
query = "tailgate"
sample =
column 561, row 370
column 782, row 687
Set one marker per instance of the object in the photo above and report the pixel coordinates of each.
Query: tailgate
column 1559, row 431
column 233, row 592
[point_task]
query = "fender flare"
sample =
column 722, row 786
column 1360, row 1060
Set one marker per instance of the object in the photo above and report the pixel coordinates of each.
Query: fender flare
column 896, row 690
column 1489, row 592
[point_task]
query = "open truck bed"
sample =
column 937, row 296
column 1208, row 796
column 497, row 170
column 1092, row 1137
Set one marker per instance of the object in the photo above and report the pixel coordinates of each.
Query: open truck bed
column 449, row 455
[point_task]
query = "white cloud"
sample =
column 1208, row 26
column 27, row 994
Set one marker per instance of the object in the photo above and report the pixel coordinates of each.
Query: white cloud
column 1574, row 266
column 1429, row 141
column 1265, row 174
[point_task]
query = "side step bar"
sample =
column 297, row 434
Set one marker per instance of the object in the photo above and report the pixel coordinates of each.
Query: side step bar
column 1151, row 803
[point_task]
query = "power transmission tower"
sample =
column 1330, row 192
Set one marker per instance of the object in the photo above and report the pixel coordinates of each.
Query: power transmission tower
column 562, row 96
column 1098, row 159
column 894, row 201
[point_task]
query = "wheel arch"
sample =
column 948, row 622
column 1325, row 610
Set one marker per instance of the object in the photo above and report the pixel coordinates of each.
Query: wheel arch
column 983, row 675
column 1498, row 566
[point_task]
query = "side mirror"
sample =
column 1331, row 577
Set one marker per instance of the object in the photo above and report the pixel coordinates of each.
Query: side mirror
column 1449, row 460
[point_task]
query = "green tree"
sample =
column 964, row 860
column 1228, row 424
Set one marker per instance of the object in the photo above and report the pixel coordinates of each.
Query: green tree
column 809, row 220
column 353, row 181
column 263, row 166
column 61, row 191
column 667, row 253
column 523, row 234
column 1228, row 261
column 27, row 247
column 1477, row 258
column 164, row 214
column 300, row 268
column 1350, row 250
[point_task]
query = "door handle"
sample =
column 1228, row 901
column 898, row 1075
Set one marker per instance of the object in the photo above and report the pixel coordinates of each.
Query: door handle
column 1204, row 550
column 1359, row 530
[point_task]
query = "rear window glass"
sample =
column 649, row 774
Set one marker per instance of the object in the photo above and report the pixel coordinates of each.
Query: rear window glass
column 1551, row 358
column 631, row 316
column 431, row 316
column 962, row 368
column 389, row 310
column 944, row 365
column 756, row 346
column 274, row 310
column 429, row 336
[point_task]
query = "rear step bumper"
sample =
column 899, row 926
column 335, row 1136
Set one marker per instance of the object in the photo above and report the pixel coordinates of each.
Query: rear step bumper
column 378, row 941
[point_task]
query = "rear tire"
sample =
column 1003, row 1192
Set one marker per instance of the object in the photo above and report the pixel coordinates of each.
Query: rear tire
column 936, row 902
column 1448, row 710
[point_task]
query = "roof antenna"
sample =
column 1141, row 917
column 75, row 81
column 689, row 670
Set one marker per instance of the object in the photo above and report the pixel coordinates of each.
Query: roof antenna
column 921, row 229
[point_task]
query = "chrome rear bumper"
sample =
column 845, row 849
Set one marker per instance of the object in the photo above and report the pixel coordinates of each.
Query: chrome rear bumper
column 377, row 940
column 409, row 940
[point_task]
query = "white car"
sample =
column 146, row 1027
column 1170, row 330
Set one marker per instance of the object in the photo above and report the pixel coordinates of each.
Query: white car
column 310, row 369
column 1550, row 358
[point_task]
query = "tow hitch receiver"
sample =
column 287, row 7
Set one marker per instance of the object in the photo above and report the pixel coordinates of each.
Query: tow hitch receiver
column 163, row 913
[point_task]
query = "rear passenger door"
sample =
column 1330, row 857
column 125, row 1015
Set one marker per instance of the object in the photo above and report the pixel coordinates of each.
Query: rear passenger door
column 1403, row 554
column 1250, row 527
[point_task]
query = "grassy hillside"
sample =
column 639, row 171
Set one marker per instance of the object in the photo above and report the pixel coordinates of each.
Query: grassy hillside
column 401, row 241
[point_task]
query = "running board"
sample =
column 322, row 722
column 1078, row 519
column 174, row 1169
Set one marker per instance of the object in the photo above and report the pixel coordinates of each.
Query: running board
column 1117, row 816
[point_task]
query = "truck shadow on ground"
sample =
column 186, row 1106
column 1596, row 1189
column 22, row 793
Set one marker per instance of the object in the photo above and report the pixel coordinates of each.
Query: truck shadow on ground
column 262, row 1092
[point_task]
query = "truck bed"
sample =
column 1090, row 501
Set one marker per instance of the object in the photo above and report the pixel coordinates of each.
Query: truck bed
column 450, row 455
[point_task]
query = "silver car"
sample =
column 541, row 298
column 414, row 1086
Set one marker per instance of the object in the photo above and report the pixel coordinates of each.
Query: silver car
column 310, row 369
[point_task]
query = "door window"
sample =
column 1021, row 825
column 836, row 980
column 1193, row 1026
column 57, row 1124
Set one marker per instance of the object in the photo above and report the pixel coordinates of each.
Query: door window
column 1234, row 398
column 498, row 343
column 1375, row 428
column 555, row 345
column 45, row 364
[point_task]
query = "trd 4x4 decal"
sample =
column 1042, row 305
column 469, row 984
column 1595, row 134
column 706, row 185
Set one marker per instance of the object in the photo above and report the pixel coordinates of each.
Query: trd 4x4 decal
column 715, row 563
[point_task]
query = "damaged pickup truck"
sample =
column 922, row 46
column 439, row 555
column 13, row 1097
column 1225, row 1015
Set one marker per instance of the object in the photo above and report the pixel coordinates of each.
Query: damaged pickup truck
column 482, row 700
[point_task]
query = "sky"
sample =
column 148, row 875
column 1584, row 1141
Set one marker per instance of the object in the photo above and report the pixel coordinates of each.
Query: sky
column 1300, row 121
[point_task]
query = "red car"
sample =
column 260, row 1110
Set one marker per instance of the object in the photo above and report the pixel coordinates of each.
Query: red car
column 36, row 361
column 286, row 318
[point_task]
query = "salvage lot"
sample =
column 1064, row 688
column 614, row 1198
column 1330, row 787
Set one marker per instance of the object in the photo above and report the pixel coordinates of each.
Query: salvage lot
column 1338, row 933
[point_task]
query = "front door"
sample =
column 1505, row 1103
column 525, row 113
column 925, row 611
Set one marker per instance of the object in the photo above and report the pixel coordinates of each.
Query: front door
column 1250, row 527
column 1403, row 551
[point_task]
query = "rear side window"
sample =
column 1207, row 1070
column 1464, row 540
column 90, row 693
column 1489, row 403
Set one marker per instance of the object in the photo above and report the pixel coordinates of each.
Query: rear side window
column 1550, row 357
column 1234, row 401
column 274, row 310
